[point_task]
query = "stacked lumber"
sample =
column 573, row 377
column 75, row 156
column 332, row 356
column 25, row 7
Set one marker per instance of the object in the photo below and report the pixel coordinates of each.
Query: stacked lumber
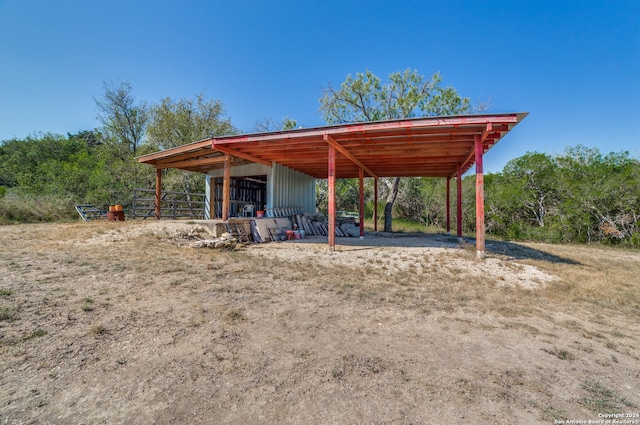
column 274, row 228
column 306, row 223
column 269, row 229
column 317, row 225
column 350, row 230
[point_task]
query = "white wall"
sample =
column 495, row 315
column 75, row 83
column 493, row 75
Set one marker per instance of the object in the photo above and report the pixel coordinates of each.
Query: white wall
column 287, row 187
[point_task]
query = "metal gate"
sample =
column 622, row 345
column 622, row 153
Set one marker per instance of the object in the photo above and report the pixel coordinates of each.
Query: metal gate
column 173, row 205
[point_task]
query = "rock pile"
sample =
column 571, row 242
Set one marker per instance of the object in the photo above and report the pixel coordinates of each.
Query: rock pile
column 225, row 241
column 201, row 237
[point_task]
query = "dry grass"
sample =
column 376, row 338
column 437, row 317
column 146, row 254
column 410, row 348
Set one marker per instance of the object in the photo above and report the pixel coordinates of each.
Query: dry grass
column 292, row 333
column 599, row 278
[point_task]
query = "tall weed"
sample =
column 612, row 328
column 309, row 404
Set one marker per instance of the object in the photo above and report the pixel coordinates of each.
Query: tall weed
column 27, row 208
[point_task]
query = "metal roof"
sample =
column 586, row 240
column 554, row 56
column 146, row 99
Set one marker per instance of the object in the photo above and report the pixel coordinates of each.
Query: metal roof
column 421, row 147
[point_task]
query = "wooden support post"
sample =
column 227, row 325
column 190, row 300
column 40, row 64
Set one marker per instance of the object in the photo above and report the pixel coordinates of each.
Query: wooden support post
column 226, row 189
column 448, row 205
column 479, row 198
column 332, row 197
column 459, row 200
column 158, row 192
column 361, row 187
column 375, row 204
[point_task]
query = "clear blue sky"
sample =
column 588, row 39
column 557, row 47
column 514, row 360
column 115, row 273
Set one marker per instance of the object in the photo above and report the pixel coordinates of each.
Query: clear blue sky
column 573, row 65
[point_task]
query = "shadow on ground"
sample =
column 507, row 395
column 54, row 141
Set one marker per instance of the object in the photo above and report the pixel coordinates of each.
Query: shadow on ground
column 521, row 252
column 438, row 240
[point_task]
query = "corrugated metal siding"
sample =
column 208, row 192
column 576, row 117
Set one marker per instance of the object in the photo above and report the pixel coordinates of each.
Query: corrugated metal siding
column 287, row 187
column 207, row 199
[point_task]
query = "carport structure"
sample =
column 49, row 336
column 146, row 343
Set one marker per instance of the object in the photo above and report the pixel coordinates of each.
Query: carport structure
column 444, row 147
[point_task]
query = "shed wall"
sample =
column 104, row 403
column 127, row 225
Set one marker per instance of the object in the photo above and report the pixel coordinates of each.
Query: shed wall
column 285, row 187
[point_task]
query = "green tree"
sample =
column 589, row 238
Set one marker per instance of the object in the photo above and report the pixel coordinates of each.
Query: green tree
column 406, row 94
column 423, row 200
column 535, row 181
column 92, row 138
column 10, row 155
column 124, row 123
column 123, row 120
column 175, row 123
column 99, row 166
column 49, row 164
column 601, row 195
column 579, row 196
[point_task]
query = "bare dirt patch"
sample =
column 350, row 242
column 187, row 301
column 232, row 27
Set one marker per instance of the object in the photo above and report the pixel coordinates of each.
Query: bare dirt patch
column 125, row 323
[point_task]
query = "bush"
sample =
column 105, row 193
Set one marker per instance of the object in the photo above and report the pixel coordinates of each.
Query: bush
column 634, row 241
column 24, row 208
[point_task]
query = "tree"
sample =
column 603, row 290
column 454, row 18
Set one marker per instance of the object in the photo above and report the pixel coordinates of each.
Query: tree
column 92, row 138
column 534, row 176
column 175, row 123
column 422, row 200
column 49, row 164
column 601, row 195
column 124, row 122
column 407, row 94
column 266, row 125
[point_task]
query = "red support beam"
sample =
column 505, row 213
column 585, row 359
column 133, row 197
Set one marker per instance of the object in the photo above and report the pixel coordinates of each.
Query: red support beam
column 331, row 141
column 226, row 188
column 479, row 198
column 487, row 132
column 202, row 162
column 331, row 171
column 375, row 204
column 193, row 147
column 361, row 177
column 472, row 155
column 158, row 192
column 459, row 200
column 252, row 158
column 448, row 205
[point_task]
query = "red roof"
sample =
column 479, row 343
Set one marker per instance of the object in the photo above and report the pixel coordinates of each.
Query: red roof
column 425, row 147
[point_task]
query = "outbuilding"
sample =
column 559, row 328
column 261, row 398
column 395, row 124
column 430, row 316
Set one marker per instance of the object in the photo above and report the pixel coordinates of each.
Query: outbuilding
column 266, row 171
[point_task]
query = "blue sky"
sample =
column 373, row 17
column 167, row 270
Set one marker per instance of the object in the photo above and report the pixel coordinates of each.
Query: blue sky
column 573, row 65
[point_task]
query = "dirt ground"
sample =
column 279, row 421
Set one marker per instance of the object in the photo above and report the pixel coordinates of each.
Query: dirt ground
column 107, row 323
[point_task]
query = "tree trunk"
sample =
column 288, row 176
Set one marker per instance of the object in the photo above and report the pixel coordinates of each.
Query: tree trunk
column 388, row 207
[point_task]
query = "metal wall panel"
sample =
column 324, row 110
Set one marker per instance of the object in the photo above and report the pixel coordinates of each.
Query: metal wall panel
column 287, row 187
